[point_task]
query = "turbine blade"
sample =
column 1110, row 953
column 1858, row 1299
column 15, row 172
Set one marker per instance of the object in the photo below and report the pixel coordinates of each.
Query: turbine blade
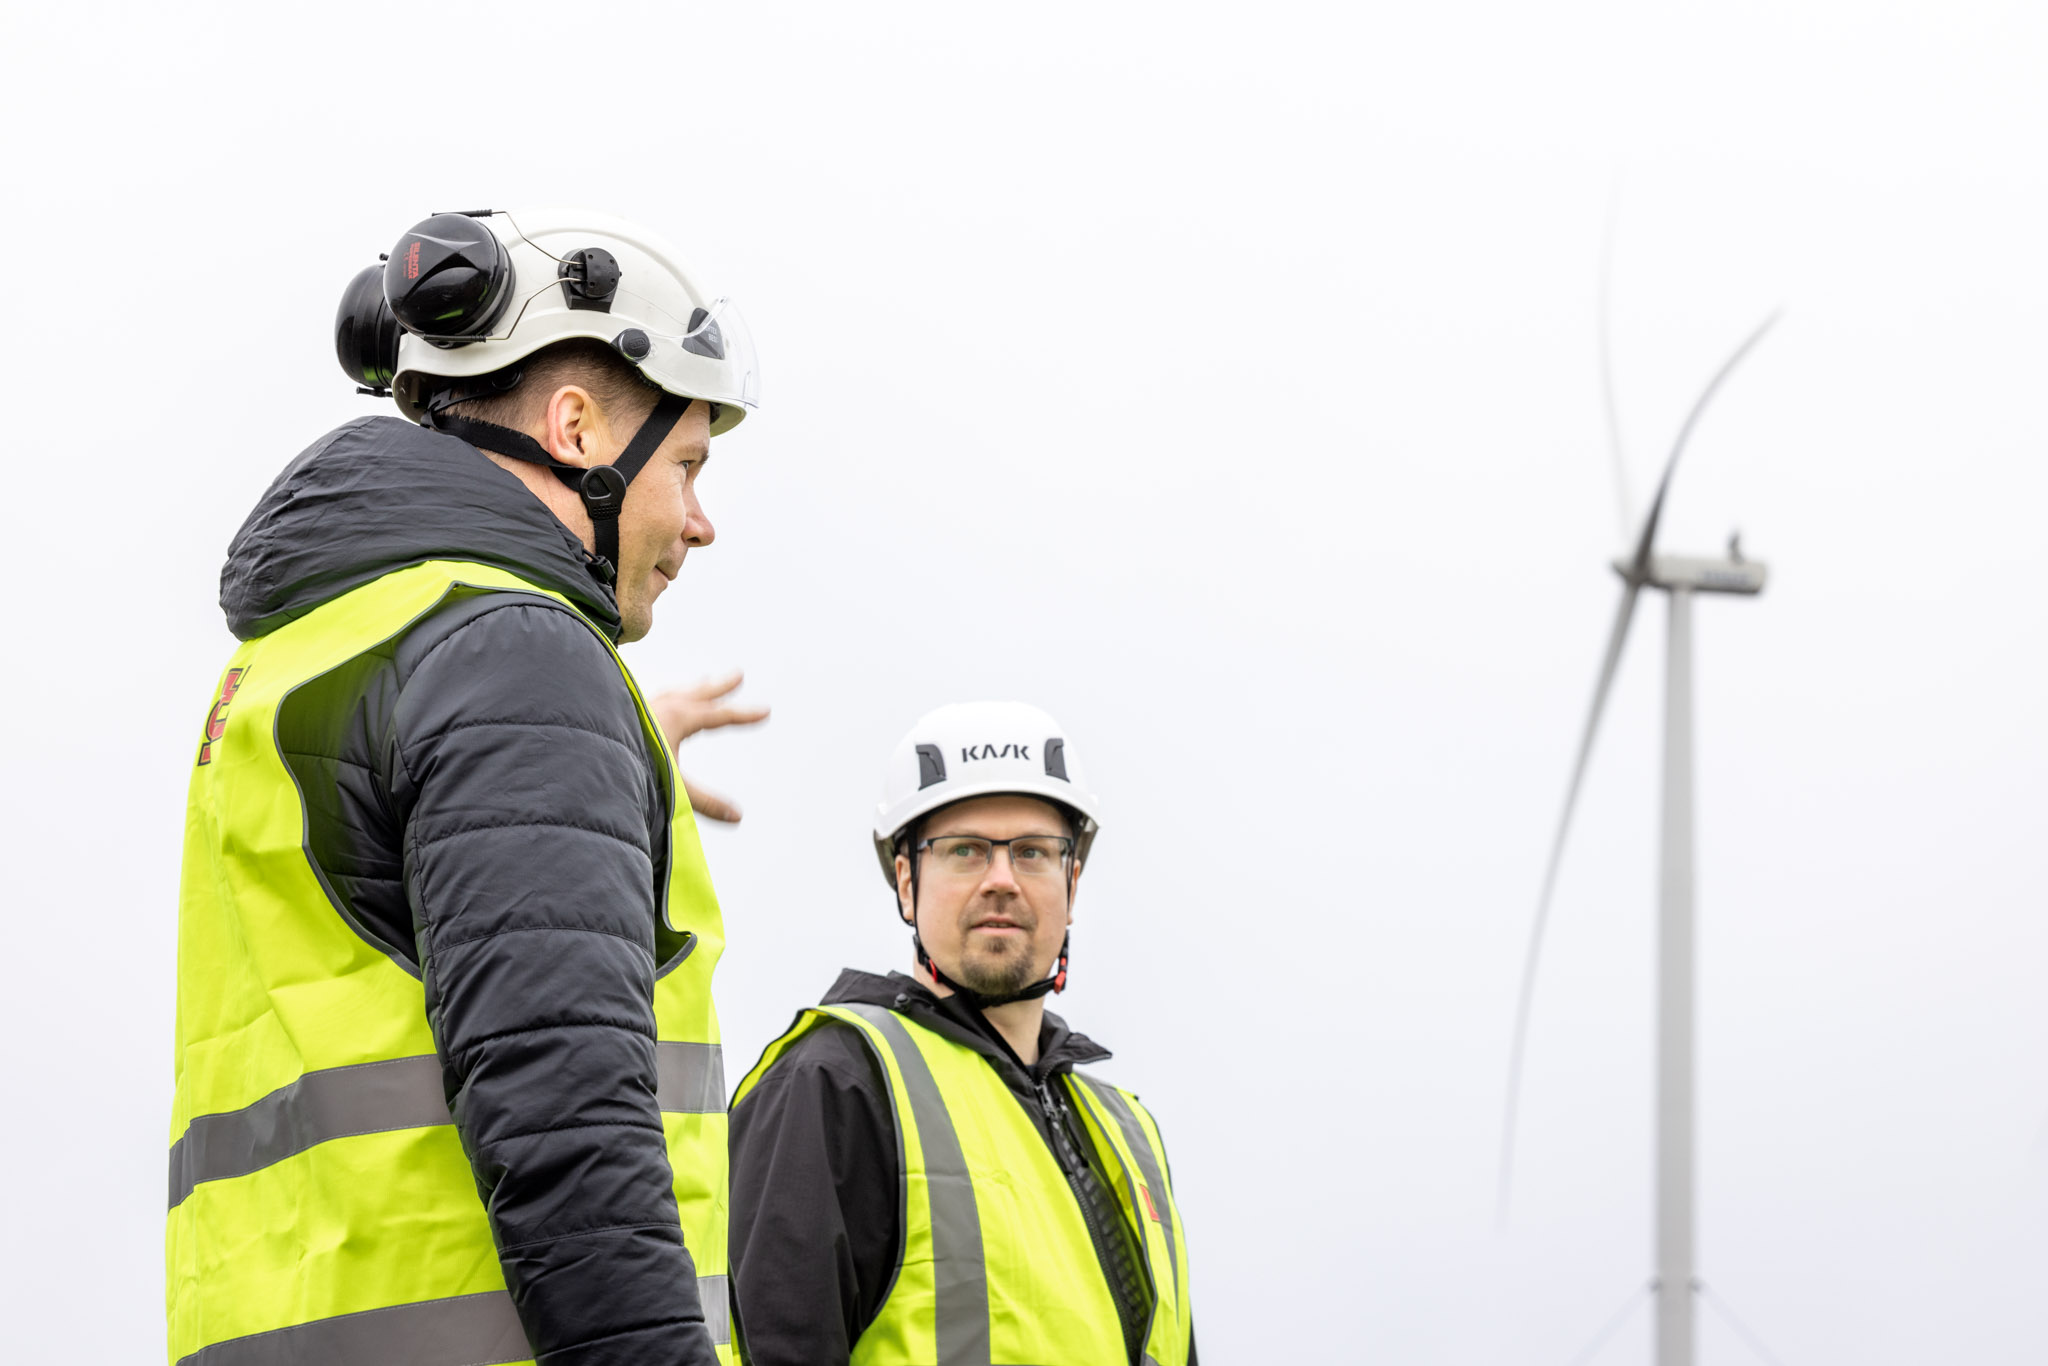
column 1615, row 453
column 1616, row 638
column 1640, row 562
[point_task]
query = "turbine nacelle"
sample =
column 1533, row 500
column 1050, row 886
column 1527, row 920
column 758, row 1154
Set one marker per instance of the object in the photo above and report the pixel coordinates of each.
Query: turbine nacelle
column 1728, row 575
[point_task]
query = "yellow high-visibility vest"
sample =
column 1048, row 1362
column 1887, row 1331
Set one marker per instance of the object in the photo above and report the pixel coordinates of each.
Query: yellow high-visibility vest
column 322, row 1211
column 996, row 1264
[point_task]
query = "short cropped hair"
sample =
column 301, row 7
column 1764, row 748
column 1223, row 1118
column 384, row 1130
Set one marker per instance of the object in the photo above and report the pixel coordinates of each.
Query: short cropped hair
column 615, row 382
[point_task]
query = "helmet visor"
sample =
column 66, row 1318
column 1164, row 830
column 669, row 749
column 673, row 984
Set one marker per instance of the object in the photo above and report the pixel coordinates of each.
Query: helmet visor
column 716, row 352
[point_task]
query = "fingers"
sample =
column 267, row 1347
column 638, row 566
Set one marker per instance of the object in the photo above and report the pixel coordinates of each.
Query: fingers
column 680, row 720
column 682, row 712
column 711, row 805
column 731, row 716
column 711, row 689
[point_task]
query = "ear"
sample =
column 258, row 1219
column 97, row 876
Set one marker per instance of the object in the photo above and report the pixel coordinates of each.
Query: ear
column 905, row 897
column 574, row 427
column 1073, row 889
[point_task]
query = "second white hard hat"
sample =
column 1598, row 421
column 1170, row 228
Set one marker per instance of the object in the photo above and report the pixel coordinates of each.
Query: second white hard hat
column 981, row 749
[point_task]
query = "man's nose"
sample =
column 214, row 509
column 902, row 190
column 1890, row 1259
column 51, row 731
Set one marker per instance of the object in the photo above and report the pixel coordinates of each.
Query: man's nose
column 1002, row 874
column 697, row 528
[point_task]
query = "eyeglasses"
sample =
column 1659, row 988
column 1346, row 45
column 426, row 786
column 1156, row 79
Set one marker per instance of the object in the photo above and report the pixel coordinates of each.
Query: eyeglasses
column 970, row 855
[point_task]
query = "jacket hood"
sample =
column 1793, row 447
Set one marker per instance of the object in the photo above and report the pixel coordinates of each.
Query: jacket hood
column 379, row 495
column 1059, row 1047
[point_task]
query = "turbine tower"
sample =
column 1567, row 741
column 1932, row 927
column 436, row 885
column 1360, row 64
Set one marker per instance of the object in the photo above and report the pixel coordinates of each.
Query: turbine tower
column 1678, row 577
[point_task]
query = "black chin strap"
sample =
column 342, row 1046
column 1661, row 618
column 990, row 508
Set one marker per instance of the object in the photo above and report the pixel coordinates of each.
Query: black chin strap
column 1044, row 986
column 602, row 487
column 1056, row 982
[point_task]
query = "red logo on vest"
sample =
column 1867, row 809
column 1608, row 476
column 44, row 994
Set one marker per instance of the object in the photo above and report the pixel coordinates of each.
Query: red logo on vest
column 217, row 719
column 1150, row 1208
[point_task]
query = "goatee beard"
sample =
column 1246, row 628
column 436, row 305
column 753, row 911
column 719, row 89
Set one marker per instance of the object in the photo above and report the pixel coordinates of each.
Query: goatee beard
column 997, row 977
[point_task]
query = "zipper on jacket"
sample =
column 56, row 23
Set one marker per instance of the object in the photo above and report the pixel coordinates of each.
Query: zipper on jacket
column 1074, row 1166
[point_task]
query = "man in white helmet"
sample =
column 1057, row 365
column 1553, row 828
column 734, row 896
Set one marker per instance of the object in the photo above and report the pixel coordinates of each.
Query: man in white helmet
column 919, row 1173
column 448, row 1081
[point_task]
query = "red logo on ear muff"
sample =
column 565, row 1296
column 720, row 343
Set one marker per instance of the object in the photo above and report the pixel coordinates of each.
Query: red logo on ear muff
column 412, row 262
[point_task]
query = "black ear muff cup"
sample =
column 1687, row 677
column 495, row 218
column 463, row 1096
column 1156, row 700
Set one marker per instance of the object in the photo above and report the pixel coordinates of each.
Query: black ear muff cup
column 449, row 279
column 366, row 332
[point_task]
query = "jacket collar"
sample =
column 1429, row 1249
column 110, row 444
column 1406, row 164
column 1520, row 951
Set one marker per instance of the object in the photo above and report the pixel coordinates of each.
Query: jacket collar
column 378, row 495
column 1060, row 1049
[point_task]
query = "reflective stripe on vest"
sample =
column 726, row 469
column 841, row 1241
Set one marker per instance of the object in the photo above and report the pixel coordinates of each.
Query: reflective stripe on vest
column 322, row 1210
column 376, row 1097
column 468, row 1330
column 996, row 1263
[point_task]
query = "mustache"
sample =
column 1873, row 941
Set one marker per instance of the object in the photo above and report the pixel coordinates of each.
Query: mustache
column 1013, row 914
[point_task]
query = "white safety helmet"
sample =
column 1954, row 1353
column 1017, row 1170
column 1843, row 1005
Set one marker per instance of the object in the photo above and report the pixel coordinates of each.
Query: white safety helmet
column 981, row 749
column 464, row 295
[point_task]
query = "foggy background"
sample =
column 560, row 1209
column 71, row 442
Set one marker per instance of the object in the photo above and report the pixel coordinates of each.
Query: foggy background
column 1258, row 343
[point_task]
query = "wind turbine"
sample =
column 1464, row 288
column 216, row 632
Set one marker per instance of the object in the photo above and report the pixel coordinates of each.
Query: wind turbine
column 1678, row 578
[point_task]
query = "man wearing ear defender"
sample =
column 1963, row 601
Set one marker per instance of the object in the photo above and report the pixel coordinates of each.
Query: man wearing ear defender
column 919, row 1173
column 449, row 1089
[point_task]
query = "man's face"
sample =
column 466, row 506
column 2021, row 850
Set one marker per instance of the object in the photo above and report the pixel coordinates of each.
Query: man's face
column 661, row 519
column 996, row 929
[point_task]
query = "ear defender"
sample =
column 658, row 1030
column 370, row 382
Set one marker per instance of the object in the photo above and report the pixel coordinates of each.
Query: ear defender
column 366, row 333
column 448, row 279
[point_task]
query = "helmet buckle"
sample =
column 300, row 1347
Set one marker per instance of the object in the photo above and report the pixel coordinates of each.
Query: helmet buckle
column 603, row 490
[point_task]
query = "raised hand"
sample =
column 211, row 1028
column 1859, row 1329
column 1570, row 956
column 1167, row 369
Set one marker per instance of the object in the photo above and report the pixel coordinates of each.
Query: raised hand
column 682, row 712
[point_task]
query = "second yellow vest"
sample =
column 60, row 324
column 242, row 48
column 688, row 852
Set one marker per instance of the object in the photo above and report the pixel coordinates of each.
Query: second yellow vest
column 997, row 1265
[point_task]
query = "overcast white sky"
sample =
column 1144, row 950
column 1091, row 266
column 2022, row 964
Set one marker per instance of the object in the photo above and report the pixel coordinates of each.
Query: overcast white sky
column 1260, row 341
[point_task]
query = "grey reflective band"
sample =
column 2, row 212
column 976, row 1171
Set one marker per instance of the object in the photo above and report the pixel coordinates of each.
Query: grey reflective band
column 691, row 1078
column 1113, row 1101
column 960, row 1311
column 467, row 1330
column 716, row 1294
column 371, row 1097
column 379, row 1097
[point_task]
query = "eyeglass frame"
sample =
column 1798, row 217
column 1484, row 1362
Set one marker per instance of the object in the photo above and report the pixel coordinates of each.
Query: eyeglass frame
column 1067, row 846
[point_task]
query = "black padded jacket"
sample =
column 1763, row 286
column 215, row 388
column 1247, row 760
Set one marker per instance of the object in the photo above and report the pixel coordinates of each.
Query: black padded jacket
column 483, row 806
